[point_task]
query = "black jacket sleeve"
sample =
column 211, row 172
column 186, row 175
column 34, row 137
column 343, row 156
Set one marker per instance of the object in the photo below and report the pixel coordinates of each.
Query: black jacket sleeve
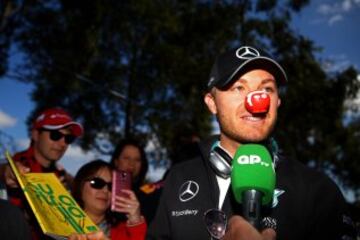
column 330, row 214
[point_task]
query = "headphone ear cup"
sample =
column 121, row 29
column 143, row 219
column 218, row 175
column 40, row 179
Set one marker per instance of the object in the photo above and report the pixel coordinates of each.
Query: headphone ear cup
column 220, row 162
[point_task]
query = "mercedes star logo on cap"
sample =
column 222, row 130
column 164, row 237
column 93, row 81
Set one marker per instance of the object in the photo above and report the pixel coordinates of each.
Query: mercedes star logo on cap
column 247, row 53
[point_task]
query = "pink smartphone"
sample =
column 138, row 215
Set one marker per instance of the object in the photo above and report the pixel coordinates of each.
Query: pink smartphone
column 120, row 180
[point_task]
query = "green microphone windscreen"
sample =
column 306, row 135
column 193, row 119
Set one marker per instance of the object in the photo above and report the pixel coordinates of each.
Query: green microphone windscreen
column 253, row 169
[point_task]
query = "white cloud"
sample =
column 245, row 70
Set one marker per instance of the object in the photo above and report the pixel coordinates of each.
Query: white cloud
column 23, row 143
column 325, row 9
column 335, row 12
column 339, row 7
column 6, row 120
column 75, row 157
column 346, row 5
column 336, row 63
column 336, row 18
column 77, row 154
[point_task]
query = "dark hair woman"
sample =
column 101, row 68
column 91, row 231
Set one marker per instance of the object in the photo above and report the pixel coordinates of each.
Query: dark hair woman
column 92, row 190
column 130, row 156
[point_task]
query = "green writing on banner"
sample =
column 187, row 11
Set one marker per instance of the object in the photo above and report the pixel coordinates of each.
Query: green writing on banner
column 64, row 204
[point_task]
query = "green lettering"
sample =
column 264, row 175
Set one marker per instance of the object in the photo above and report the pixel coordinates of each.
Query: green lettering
column 66, row 200
column 70, row 219
column 76, row 212
column 46, row 196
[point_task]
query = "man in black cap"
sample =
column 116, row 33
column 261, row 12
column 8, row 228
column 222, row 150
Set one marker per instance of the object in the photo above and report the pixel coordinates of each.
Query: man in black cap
column 243, row 94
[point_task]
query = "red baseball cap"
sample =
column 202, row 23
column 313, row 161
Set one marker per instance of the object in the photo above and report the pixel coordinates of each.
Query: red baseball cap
column 57, row 118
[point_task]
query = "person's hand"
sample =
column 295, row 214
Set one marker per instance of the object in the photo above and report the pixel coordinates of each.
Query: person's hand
column 9, row 176
column 130, row 206
column 90, row 236
column 60, row 168
column 239, row 228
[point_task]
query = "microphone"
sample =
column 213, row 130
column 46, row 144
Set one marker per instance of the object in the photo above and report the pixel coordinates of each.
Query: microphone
column 253, row 180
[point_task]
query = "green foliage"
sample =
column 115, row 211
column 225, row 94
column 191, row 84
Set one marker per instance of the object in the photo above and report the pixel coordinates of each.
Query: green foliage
column 139, row 68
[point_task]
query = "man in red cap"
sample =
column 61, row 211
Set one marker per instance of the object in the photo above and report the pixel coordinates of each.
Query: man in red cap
column 52, row 132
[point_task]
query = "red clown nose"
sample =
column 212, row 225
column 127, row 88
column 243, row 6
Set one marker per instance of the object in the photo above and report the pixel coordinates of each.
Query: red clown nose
column 257, row 102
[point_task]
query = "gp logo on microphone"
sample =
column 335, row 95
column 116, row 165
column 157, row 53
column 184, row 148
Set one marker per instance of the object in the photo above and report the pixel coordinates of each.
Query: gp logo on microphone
column 251, row 159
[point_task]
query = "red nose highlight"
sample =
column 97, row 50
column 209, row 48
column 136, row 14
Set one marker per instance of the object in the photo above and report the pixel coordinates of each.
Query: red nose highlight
column 257, row 102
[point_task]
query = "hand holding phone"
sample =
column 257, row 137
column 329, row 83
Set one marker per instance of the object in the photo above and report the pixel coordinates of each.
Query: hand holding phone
column 120, row 180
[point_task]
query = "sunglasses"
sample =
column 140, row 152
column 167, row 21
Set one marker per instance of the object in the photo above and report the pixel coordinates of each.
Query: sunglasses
column 216, row 223
column 99, row 183
column 56, row 135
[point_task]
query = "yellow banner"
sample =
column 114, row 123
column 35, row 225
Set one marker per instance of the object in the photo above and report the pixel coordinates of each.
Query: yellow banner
column 55, row 209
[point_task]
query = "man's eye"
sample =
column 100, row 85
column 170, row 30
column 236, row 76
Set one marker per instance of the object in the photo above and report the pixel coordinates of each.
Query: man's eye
column 238, row 88
column 269, row 89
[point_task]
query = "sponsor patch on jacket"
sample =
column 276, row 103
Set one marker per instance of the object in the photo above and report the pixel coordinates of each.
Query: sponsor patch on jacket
column 186, row 212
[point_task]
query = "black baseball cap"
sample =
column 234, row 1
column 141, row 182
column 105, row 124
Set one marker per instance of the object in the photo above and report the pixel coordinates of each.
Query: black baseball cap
column 239, row 61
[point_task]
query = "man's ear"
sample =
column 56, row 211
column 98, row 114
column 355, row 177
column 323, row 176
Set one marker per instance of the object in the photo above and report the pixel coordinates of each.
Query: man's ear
column 279, row 102
column 210, row 103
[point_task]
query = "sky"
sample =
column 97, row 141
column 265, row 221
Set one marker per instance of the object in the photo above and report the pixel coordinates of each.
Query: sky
column 331, row 24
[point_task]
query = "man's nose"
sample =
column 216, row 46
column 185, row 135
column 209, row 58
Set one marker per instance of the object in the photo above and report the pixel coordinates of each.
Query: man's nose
column 257, row 102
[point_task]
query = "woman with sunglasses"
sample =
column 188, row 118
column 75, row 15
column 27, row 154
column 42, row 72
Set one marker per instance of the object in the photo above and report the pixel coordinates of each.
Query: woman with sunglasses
column 92, row 190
